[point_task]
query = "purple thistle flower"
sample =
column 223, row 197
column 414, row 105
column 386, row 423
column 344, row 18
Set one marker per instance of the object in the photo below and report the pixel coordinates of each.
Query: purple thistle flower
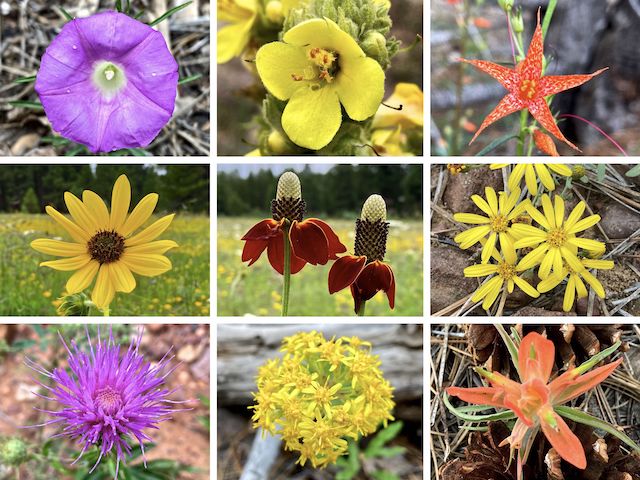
column 108, row 81
column 108, row 398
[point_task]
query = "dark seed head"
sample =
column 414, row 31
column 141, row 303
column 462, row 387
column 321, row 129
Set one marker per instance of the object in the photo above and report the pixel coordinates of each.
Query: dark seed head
column 371, row 239
column 289, row 208
column 106, row 246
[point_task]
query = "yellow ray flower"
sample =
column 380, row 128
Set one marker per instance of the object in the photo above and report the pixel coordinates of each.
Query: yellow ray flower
column 531, row 173
column 233, row 38
column 557, row 241
column 105, row 245
column 317, row 67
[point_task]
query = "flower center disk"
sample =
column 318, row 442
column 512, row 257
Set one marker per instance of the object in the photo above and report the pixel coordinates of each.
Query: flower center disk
column 499, row 223
column 506, row 270
column 106, row 246
column 527, row 89
column 557, row 237
column 109, row 400
column 324, row 66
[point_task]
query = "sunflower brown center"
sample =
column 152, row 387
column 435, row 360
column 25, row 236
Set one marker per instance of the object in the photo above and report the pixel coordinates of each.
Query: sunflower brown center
column 557, row 237
column 371, row 239
column 106, row 246
column 499, row 223
column 109, row 400
column 288, row 207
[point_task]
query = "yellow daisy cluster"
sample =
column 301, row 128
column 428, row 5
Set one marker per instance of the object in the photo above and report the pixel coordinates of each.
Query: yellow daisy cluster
column 320, row 393
column 556, row 250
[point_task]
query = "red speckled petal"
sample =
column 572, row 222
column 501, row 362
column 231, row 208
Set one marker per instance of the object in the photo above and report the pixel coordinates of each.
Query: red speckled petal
column 540, row 111
column 552, row 84
column 506, row 76
column 509, row 104
column 531, row 66
column 545, row 143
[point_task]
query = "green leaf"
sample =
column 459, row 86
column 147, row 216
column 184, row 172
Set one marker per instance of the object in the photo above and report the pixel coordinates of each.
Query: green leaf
column 511, row 346
column 350, row 465
column 634, row 172
column 602, row 169
column 119, row 5
column 27, row 104
column 547, row 16
column 66, row 14
column 495, row 144
column 586, row 419
column 29, row 79
column 138, row 15
column 383, row 436
column 388, row 452
column 506, row 415
column 192, row 78
column 169, row 13
column 597, row 358
column 384, row 475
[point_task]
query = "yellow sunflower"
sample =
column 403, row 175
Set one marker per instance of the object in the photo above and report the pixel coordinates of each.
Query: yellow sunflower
column 104, row 244
column 531, row 172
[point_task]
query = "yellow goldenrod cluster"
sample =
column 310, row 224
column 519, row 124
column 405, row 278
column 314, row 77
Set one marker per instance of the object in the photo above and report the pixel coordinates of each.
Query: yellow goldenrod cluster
column 320, row 393
column 510, row 239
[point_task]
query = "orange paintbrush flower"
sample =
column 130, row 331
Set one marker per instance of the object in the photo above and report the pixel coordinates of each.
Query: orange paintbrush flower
column 528, row 88
column 535, row 399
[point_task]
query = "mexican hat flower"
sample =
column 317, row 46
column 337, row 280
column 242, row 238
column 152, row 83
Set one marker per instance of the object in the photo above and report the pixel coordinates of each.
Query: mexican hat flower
column 310, row 241
column 104, row 244
column 108, row 82
column 575, row 285
column 532, row 172
column 528, row 88
column 501, row 211
column 505, row 275
column 316, row 68
column 535, row 400
column 365, row 271
column 556, row 241
column 233, row 38
column 107, row 397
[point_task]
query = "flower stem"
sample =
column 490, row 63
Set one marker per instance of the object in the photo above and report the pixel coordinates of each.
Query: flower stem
column 106, row 311
column 287, row 270
column 362, row 308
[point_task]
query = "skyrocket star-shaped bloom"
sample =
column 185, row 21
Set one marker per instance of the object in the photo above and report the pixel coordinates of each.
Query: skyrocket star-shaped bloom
column 528, row 88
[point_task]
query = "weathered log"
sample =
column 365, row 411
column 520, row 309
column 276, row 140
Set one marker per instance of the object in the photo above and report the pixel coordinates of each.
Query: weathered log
column 243, row 348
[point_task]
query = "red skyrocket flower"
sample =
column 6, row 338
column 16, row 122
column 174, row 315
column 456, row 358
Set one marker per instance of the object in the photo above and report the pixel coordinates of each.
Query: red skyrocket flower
column 528, row 88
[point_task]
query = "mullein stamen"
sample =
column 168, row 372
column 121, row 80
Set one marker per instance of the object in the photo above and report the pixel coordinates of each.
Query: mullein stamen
column 288, row 203
column 372, row 230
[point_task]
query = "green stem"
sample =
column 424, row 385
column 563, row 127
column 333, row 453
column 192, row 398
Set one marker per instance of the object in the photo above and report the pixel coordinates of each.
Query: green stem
column 106, row 311
column 524, row 116
column 363, row 307
column 287, row 270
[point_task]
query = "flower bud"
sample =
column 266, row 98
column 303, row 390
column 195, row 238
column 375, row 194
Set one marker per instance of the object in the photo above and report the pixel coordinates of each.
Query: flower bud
column 505, row 5
column 375, row 46
column 13, row 452
column 76, row 305
column 274, row 12
column 277, row 143
column 578, row 171
column 517, row 23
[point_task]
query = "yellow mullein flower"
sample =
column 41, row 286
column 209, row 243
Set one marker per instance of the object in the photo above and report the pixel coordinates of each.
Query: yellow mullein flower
column 575, row 285
column 557, row 241
column 233, row 38
column 390, row 143
column 531, row 173
column 497, row 224
column 411, row 98
column 506, row 276
column 104, row 243
column 316, row 68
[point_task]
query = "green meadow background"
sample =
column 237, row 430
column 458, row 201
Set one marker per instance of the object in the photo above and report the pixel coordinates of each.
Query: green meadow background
column 334, row 194
column 27, row 289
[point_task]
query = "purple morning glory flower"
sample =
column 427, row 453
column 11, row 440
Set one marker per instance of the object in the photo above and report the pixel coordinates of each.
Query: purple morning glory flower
column 108, row 81
column 107, row 398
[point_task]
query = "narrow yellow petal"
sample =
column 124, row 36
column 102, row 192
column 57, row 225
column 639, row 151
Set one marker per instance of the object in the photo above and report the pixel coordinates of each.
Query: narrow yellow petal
column 538, row 217
column 545, row 176
column 77, row 233
column 97, row 208
column 58, row 248
column 530, row 179
column 480, row 270
column 80, row 213
column 120, row 201
column 549, row 213
column 492, row 199
column 571, row 259
column 560, row 169
column 146, row 265
column 151, row 232
column 484, row 289
column 580, row 287
column 547, row 263
column 569, row 294
column 140, row 214
column 557, row 262
column 493, row 294
column 587, row 244
column 470, row 218
column 488, row 248
column 482, row 204
column 68, row 264
column 516, row 176
column 83, row 277
column 122, row 278
column 551, row 282
column 158, row 247
column 585, row 223
column 559, row 210
column 103, row 291
column 599, row 264
column 594, row 282
column 507, row 248
column 574, row 216
column 526, row 287
column 532, row 258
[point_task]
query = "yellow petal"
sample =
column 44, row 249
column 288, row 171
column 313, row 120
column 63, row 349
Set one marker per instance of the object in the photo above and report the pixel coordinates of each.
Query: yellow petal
column 547, row 208
column 68, row 264
column 484, row 289
column 493, row 294
column 58, row 248
column 551, row 282
column 545, row 176
column 140, row 214
column 547, row 263
column 574, row 216
column 360, row 85
column 158, row 247
column 276, row 63
column 571, row 259
column 580, row 287
column 481, row 270
column 324, row 33
column 516, row 176
column 526, row 287
column 587, row 244
column 472, row 236
column 97, row 208
column 507, row 248
column 585, row 223
column 233, row 39
column 82, row 278
column 488, row 248
column 559, row 210
column 120, row 201
column 560, row 169
column 532, row 258
column 470, row 218
column 80, row 213
column 146, row 265
column 151, row 232
column 122, row 278
column 600, row 264
column 77, row 233
column 569, row 294
column 103, row 291
column 530, row 179
column 492, row 199
column 482, row 204
column 594, row 282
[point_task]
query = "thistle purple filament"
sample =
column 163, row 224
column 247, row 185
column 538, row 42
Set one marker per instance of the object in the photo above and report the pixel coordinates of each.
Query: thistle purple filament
column 107, row 399
column 108, row 82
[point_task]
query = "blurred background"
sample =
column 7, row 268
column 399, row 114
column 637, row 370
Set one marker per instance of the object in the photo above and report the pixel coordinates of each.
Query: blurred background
column 25, row 190
column 335, row 194
column 240, row 93
column 28, row 27
column 242, row 349
column 187, row 459
column 584, row 36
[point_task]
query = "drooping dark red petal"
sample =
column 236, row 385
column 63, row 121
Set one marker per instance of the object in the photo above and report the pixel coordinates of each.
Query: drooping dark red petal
column 335, row 245
column 275, row 252
column 263, row 230
column 309, row 242
column 357, row 298
column 391, row 291
column 373, row 278
column 252, row 250
column 344, row 272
